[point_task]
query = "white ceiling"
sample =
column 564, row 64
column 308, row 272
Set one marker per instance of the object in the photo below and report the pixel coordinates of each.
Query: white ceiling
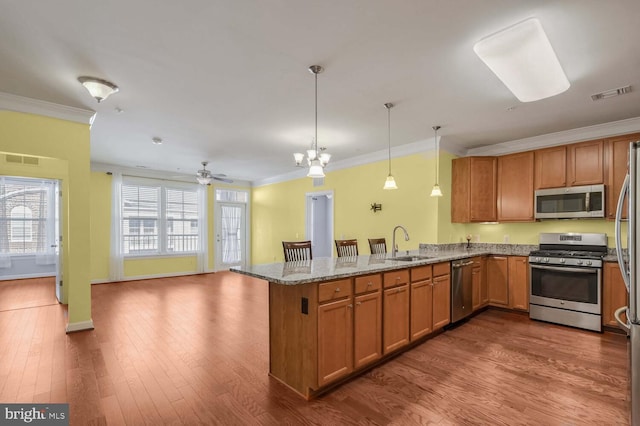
column 227, row 81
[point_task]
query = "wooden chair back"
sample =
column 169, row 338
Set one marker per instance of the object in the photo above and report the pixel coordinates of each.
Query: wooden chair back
column 377, row 245
column 297, row 250
column 347, row 247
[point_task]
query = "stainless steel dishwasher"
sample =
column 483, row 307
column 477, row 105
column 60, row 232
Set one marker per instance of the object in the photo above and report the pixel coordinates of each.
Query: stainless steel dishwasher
column 461, row 289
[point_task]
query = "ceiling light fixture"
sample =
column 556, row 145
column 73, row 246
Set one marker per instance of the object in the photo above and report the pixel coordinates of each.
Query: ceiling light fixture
column 522, row 57
column 316, row 159
column 436, row 192
column 390, row 183
column 204, row 176
column 98, row 88
column 156, row 140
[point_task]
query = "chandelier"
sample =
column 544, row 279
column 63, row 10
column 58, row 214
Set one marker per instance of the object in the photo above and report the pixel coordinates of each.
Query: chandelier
column 316, row 158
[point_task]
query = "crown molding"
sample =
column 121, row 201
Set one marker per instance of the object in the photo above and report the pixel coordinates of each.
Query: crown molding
column 421, row 146
column 614, row 128
column 48, row 109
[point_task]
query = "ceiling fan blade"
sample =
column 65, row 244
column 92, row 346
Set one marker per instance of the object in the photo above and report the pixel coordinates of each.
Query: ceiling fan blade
column 219, row 175
column 222, row 179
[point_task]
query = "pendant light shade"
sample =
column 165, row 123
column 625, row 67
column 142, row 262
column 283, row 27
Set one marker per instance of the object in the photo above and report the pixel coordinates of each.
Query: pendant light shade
column 390, row 183
column 316, row 157
column 436, row 191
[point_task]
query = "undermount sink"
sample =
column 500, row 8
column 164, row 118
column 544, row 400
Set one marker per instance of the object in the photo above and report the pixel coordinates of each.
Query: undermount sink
column 409, row 258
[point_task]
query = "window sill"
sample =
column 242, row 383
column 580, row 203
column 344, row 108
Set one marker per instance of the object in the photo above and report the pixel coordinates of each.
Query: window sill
column 160, row 255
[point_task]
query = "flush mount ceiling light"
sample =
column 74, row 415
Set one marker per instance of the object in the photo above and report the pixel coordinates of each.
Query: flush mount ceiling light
column 316, row 159
column 156, row 140
column 390, row 183
column 98, row 88
column 522, row 57
column 435, row 191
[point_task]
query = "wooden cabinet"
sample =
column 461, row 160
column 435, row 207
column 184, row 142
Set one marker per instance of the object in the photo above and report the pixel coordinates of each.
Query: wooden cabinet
column 585, row 163
column 395, row 323
column 550, row 167
column 367, row 320
column 570, row 165
column 473, row 194
column 441, row 295
column 421, row 302
column 515, row 187
column 477, row 273
column 616, row 168
column 614, row 293
column 497, row 278
column 335, row 340
column 484, row 287
column 518, row 278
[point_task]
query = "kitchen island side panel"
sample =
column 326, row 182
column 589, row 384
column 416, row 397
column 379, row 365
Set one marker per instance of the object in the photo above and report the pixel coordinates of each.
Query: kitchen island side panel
column 293, row 345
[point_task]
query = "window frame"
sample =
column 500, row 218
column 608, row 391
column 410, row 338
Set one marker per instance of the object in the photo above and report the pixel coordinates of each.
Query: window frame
column 162, row 221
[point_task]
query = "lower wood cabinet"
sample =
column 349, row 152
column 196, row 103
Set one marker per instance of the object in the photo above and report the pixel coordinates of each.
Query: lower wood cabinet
column 497, row 279
column 421, row 308
column 395, row 332
column 441, row 295
column 479, row 295
column 518, row 278
column 614, row 293
column 335, row 340
column 367, row 324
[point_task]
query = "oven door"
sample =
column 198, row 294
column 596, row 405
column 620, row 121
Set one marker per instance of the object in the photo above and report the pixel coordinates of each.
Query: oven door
column 576, row 289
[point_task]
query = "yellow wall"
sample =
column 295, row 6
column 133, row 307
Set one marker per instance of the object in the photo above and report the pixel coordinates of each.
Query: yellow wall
column 279, row 209
column 67, row 141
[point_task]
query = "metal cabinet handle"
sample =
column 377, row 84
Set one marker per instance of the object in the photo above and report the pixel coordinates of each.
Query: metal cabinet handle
column 369, row 284
column 358, row 303
column 350, row 306
column 337, row 289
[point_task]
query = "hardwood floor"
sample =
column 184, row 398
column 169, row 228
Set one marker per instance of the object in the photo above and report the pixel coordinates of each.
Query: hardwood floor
column 194, row 350
column 27, row 293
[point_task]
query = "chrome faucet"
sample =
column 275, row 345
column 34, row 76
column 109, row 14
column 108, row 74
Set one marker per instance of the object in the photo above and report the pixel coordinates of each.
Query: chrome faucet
column 394, row 246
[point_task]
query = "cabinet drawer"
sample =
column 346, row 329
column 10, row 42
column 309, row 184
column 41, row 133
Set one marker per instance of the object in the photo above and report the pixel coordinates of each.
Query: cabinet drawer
column 334, row 290
column 368, row 283
column 477, row 262
column 443, row 268
column 394, row 278
column 421, row 273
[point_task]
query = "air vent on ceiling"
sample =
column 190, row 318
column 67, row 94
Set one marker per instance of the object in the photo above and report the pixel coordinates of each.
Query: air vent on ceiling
column 611, row 93
column 20, row 159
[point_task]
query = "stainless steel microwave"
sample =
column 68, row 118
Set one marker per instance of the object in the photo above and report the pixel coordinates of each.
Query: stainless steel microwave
column 569, row 203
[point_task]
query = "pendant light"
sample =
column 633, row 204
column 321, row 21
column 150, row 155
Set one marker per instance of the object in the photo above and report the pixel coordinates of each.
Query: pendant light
column 436, row 192
column 390, row 183
column 315, row 165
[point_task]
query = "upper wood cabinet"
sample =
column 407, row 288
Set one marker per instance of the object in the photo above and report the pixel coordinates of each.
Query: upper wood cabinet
column 473, row 194
column 585, row 163
column 551, row 167
column 616, row 167
column 570, row 165
column 515, row 187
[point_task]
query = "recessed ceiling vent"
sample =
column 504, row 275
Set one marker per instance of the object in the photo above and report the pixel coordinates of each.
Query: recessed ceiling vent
column 611, row 93
column 20, row 159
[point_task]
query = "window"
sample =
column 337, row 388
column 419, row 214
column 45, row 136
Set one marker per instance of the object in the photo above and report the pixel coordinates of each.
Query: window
column 21, row 226
column 159, row 219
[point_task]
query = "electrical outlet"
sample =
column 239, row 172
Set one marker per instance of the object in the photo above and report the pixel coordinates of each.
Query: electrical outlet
column 506, row 238
column 476, row 238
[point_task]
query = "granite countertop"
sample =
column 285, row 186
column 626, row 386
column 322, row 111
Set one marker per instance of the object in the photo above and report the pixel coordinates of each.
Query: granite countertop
column 331, row 268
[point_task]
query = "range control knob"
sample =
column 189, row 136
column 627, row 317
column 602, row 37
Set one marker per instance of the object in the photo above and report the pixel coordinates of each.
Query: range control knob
column 579, row 262
column 546, row 259
column 562, row 260
column 589, row 262
column 536, row 259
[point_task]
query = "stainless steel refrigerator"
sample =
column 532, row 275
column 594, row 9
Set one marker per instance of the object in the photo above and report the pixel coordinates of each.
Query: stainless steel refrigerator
column 630, row 268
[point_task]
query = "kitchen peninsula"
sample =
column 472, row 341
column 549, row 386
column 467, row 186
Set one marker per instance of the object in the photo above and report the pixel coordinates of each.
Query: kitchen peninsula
column 333, row 318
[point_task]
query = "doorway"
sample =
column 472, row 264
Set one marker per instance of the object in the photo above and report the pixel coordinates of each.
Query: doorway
column 231, row 228
column 319, row 224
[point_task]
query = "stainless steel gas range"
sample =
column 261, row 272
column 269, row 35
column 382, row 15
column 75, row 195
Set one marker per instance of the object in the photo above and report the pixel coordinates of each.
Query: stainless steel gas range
column 566, row 279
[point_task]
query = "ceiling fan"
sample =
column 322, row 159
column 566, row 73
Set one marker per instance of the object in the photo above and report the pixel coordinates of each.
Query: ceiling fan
column 204, row 176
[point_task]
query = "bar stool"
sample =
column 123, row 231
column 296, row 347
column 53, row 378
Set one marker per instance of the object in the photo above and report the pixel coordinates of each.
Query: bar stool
column 296, row 250
column 347, row 247
column 377, row 245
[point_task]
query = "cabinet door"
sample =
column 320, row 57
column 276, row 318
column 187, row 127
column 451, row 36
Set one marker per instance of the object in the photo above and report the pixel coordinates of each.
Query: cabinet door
column 483, row 189
column 585, row 163
column 367, row 324
column 484, row 288
column 497, row 273
column 515, row 187
column 335, row 340
column 441, row 301
column 614, row 293
column 396, row 318
column 476, row 283
column 616, row 167
column 421, row 308
column 460, row 171
column 519, row 283
column 550, row 167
